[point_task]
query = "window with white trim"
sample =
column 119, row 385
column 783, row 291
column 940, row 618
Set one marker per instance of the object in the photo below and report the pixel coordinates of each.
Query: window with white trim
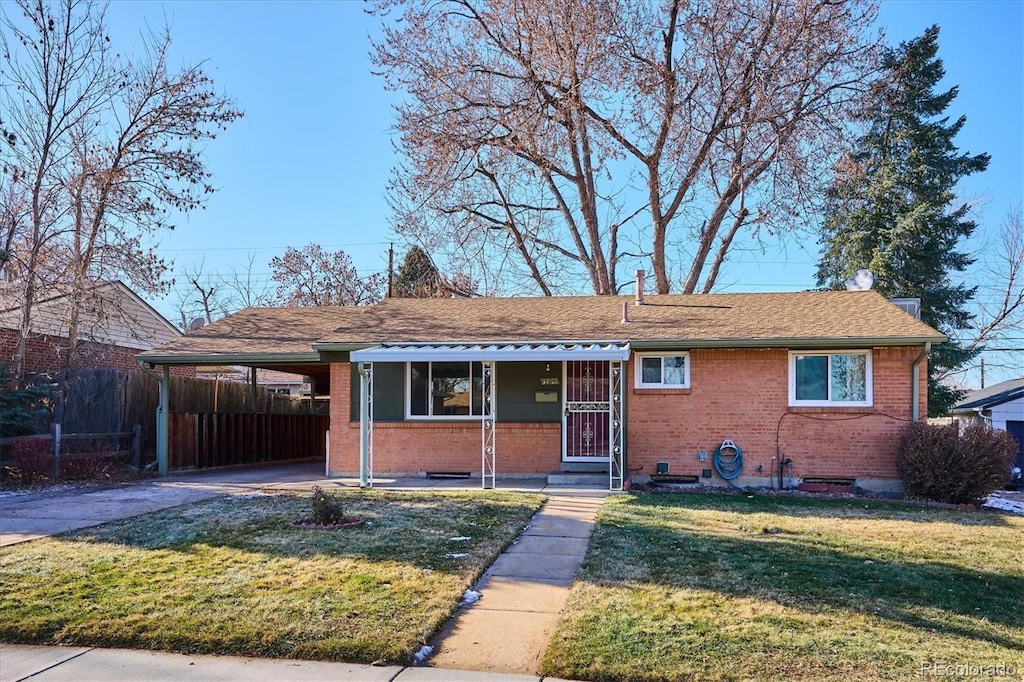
column 445, row 390
column 662, row 370
column 830, row 379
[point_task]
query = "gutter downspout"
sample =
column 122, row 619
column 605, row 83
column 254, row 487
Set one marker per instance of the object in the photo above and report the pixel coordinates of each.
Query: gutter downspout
column 161, row 414
column 915, row 391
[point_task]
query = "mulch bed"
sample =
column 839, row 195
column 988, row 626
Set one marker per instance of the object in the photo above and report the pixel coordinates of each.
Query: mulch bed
column 309, row 523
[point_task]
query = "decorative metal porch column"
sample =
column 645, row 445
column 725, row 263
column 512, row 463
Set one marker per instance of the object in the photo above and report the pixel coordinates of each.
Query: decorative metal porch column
column 487, row 427
column 617, row 464
column 365, row 424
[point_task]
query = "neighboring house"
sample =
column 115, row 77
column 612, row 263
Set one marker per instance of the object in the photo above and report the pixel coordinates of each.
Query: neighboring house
column 812, row 385
column 281, row 383
column 1001, row 406
column 114, row 326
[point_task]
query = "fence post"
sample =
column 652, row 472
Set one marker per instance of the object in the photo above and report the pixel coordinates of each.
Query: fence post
column 136, row 445
column 56, row 449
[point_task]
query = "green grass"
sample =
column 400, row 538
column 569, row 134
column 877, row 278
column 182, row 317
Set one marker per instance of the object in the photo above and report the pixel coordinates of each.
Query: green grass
column 233, row 576
column 737, row 587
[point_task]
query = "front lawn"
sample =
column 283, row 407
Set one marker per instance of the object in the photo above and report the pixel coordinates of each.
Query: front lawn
column 233, row 576
column 744, row 586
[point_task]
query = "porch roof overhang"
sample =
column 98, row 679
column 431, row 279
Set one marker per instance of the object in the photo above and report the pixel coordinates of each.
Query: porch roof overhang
column 549, row 351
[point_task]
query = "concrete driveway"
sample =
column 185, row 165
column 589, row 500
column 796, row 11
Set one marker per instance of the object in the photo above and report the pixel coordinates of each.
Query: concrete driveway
column 32, row 515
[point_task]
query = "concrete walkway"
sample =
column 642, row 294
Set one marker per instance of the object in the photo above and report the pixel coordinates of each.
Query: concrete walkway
column 522, row 593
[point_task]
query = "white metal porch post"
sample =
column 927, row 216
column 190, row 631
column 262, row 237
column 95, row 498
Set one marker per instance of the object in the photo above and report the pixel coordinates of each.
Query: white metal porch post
column 616, row 465
column 365, row 424
column 488, row 420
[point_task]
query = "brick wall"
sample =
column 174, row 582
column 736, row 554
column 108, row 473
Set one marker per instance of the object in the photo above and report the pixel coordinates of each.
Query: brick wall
column 417, row 447
column 49, row 354
column 743, row 395
column 738, row 394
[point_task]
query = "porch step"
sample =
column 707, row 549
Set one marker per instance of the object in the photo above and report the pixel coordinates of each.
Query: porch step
column 579, row 478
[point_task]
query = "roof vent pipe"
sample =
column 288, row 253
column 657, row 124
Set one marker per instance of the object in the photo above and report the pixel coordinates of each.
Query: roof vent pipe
column 625, row 313
column 639, row 287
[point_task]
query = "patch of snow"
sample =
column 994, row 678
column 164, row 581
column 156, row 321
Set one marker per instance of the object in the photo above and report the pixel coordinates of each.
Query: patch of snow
column 1002, row 504
column 456, row 555
column 460, row 538
column 471, row 597
column 423, row 653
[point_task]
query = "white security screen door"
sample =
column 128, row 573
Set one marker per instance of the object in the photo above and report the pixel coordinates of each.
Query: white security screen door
column 586, row 421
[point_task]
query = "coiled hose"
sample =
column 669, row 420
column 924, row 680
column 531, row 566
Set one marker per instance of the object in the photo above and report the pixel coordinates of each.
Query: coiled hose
column 728, row 464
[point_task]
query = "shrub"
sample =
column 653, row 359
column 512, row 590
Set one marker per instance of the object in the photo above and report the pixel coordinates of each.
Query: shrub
column 91, row 466
column 947, row 464
column 32, row 456
column 327, row 509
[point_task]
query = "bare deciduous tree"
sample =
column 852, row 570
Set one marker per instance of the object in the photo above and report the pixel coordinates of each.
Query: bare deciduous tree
column 312, row 277
column 211, row 296
column 585, row 135
column 100, row 149
column 998, row 308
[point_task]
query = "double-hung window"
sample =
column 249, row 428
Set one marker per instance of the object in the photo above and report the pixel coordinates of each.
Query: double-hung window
column 663, row 370
column 830, row 379
column 448, row 390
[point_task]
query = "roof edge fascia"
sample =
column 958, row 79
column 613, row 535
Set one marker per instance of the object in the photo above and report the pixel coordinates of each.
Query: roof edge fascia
column 794, row 342
column 230, row 358
column 635, row 344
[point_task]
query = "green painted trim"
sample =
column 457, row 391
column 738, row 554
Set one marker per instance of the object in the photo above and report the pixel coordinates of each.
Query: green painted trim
column 841, row 342
column 342, row 347
column 231, row 359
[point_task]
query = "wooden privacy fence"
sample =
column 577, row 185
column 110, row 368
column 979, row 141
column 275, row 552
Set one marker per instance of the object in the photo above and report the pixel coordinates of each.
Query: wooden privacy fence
column 214, row 440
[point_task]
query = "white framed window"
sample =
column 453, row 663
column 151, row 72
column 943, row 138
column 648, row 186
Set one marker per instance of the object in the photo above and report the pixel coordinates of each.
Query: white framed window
column 444, row 390
column 830, row 379
column 663, row 370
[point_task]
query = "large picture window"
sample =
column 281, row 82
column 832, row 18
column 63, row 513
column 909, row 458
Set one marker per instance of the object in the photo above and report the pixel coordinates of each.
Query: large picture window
column 449, row 390
column 830, row 379
column 663, row 370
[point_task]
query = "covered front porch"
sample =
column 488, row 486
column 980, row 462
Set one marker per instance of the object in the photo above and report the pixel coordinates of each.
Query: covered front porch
column 426, row 407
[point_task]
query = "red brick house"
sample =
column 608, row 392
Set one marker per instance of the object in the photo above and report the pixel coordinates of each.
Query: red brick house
column 812, row 385
column 115, row 325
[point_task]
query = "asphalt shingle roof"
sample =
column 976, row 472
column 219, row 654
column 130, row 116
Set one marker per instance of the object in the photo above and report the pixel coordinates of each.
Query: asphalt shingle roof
column 712, row 319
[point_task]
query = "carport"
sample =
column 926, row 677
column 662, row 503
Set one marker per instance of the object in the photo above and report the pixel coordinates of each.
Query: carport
column 250, row 338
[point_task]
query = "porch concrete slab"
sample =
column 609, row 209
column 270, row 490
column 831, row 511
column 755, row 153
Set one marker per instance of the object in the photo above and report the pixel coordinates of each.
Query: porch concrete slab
column 553, row 567
column 546, row 544
column 448, row 675
column 123, row 665
column 538, row 595
column 482, row 640
column 18, row 661
column 560, row 527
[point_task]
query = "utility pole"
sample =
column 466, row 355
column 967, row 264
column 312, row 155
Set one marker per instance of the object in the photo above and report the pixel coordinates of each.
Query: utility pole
column 391, row 267
column 983, row 372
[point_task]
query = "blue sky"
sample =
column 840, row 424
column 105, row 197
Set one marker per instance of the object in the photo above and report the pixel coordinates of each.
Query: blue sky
column 310, row 160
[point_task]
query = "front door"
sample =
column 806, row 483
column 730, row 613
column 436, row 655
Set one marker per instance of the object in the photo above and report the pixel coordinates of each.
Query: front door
column 586, row 421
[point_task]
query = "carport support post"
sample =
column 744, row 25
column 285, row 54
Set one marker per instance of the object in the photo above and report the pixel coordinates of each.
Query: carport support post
column 161, row 420
column 365, row 424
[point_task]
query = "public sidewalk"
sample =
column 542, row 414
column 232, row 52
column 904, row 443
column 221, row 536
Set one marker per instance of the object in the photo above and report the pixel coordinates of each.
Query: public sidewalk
column 83, row 664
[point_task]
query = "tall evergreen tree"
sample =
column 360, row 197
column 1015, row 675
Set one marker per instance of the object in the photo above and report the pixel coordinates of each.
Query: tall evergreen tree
column 893, row 207
column 417, row 276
